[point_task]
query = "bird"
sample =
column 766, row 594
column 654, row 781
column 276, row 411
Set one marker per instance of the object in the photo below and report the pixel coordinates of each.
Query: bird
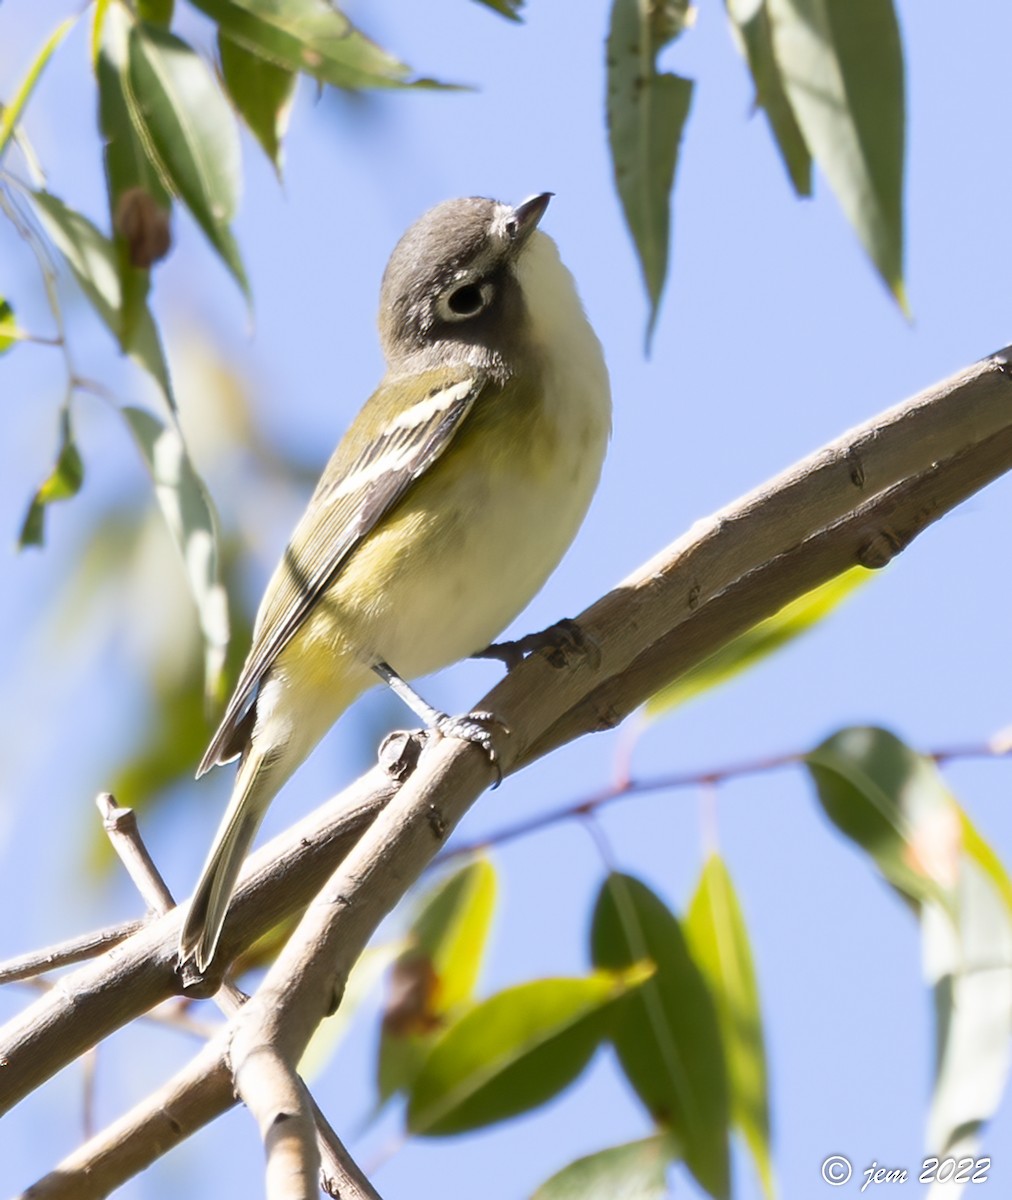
column 446, row 505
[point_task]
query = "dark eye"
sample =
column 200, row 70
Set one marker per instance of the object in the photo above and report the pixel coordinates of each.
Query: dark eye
column 466, row 300
column 511, row 229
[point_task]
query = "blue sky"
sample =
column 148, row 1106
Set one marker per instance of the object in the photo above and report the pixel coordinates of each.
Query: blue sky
column 774, row 336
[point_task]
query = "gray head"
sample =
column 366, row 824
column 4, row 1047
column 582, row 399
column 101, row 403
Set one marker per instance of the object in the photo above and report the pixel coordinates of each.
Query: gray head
column 450, row 290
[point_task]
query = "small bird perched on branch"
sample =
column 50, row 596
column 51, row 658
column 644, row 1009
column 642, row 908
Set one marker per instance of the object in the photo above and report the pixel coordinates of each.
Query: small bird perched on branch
column 445, row 507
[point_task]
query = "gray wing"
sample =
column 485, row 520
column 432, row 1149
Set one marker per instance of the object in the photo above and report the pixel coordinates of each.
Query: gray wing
column 371, row 470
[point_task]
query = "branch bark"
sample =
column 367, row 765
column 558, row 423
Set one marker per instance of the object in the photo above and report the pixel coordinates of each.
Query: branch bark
column 860, row 499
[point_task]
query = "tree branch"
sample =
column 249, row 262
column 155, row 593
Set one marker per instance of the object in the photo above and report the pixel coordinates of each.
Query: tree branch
column 860, row 499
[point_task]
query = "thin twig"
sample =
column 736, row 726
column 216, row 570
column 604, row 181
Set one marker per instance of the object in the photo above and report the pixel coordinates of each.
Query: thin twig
column 121, row 826
column 628, row 787
column 64, row 954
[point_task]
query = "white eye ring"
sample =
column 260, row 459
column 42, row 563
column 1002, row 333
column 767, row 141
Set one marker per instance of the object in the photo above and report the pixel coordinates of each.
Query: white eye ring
column 465, row 300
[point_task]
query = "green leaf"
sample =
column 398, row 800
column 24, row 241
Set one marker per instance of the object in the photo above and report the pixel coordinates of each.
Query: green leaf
column 261, row 91
column 757, row 643
column 635, row 1171
column 10, row 114
column 436, row 973
column 718, row 938
column 63, row 481
column 894, row 804
column 969, row 964
column 980, row 851
column 505, row 8
column 188, row 131
column 669, row 1038
column 841, row 62
column 310, row 36
column 190, row 517
column 9, row 331
column 128, row 170
column 93, row 261
column 158, row 12
column 514, row 1051
column 750, row 20
column 647, row 112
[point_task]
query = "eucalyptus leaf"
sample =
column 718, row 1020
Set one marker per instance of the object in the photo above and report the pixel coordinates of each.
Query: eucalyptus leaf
column 514, row 1051
column 634, row 1171
column 9, row 331
column 313, row 37
column 510, row 9
column 716, row 931
column 63, row 481
column 841, row 62
column 10, row 114
column 668, row 1039
column 93, row 260
column 190, row 517
column 969, row 964
column 186, row 126
column 892, row 803
column 750, row 20
column 261, row 91
column 757, row 643
column 647, row 111
column 436, row 973
column 128, row 170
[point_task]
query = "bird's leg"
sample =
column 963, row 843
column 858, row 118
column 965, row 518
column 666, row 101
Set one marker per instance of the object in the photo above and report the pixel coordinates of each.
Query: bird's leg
column 565, row 641
column 471, row 727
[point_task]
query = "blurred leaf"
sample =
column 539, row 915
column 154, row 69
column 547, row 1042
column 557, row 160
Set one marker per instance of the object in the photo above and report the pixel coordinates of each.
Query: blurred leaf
column 364, row 978
column 262, row 92
column 190, row 517
column 750, row 19
column 514, row 1051
column 980, row 851
column 9, row 331
column 757, row 643
column 894, row 804
column 635, row 1171
column 64, row 481
column 436, row 973
column 312, row 37
column 668, row 1039
column 646, row 115
column 188, row 130
column 969, row 965
column 505, row 8
column 841, row 63
column 158, row 12
column 127, row 166
column 717, row 935
column 10, row 114
column 92, row 259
